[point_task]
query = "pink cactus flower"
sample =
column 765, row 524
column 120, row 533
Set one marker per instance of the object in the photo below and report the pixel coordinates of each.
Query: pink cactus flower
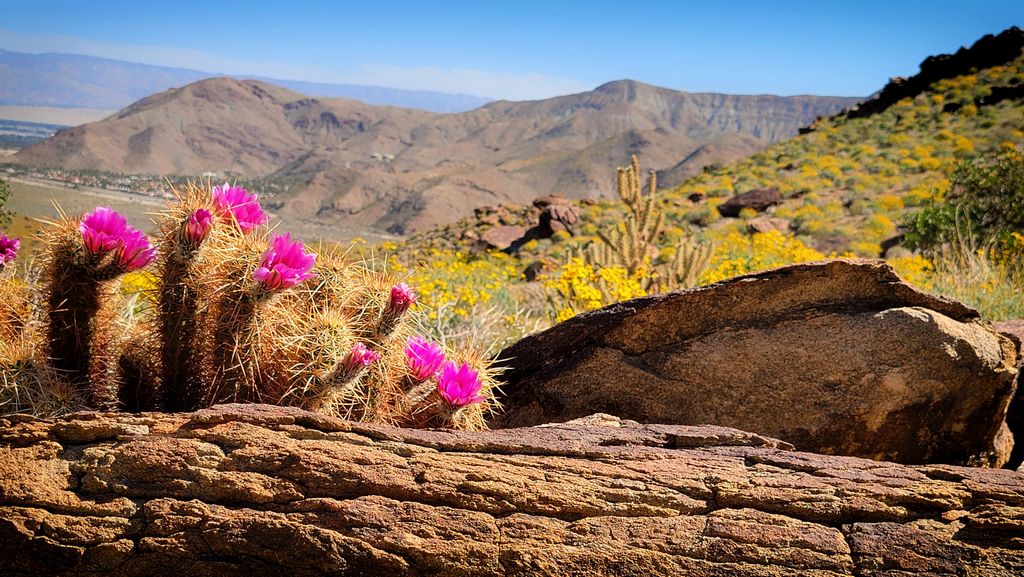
column 104, row 230
column 402, row 298
column 135, row 251
column 360, row 356
column 284, row 264
column 423, row 358
column 8, row 249
column 459, row 385
column 235, row 201
column 197, row 226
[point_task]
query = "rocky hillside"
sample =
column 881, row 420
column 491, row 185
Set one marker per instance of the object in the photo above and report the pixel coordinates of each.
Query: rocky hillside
column 847, row 181
column 400, row 170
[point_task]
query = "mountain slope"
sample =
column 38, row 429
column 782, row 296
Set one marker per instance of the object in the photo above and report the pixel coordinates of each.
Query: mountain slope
column 400, row 169
column 849, row 179
column 74, row 80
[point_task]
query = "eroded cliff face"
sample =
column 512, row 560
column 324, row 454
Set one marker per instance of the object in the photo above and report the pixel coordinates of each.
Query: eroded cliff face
column 259, row 490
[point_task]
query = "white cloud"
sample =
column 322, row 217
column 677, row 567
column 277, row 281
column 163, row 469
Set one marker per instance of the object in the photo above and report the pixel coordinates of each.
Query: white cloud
column 494, row 84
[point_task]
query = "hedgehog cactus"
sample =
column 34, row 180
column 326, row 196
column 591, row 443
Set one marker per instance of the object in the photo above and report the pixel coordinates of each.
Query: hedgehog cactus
column 13, row 292
column 183, row 298
column 84, row 259
column 242, row 315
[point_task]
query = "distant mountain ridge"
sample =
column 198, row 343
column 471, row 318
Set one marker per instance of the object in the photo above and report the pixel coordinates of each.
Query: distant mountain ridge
column 78, row 81
column 401, row 169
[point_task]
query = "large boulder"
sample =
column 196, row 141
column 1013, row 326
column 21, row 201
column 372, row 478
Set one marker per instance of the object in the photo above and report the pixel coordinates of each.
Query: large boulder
column 837, row 357
column 758, row 200
column 502, row 237
column 762, row 224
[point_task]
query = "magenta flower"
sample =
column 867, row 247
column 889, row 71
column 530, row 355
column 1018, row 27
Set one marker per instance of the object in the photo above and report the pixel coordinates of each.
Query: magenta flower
column 357, row 358
column 235, row 201
column 402, row 298
column 423, row 358
column 197, row 226
column 459, row 386
column 104, row 230
column 284, row 264
column 135, row 251
column 8, row 248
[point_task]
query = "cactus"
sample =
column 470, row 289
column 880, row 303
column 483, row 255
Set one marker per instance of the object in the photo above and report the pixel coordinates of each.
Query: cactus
column 14, row 294
column 235, row 313
column 84, row 260
column 632, row 244
column 234, row 329
column 182, row 301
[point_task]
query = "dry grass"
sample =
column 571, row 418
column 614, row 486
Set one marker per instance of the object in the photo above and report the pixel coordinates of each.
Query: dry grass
column 981, row 276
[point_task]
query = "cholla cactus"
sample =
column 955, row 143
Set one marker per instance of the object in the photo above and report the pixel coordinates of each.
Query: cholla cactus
column 632, row 244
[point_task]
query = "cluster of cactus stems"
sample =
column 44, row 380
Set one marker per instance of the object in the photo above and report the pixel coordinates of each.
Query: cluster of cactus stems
column 632, row 244
column 236, row 313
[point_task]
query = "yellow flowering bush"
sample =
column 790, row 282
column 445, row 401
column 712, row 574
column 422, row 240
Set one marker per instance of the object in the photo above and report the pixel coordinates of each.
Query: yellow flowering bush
column 739, row 253
column 141, row 285
column 917, row 270
column 455, row 282
column 577, row 287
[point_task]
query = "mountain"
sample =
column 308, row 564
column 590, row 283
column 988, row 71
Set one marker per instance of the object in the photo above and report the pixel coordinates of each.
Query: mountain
column 77, row 81
column 849, row 180
column 401, row 169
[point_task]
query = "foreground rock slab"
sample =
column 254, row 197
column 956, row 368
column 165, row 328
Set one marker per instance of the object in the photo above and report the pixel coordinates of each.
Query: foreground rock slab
column 838, row 357
column 252, row 490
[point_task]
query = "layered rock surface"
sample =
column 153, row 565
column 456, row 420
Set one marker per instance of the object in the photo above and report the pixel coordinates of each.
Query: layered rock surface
column 254, row 490
column 839, row 357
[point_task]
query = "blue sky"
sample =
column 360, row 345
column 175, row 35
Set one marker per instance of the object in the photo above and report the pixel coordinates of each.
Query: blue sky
column 522, row 50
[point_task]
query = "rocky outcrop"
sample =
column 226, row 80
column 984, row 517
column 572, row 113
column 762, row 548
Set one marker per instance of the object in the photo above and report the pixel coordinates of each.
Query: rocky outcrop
column 501, row 237
column 758, row 200
column 988, row 51
column 557, row 214
column 252, row 490
column 837, row 357
column 508, row 228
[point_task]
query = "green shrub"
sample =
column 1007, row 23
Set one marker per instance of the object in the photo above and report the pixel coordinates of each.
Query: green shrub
column 985, row 200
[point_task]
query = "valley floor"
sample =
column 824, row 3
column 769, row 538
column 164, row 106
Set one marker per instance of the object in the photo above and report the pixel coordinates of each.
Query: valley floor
column 35, row 198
